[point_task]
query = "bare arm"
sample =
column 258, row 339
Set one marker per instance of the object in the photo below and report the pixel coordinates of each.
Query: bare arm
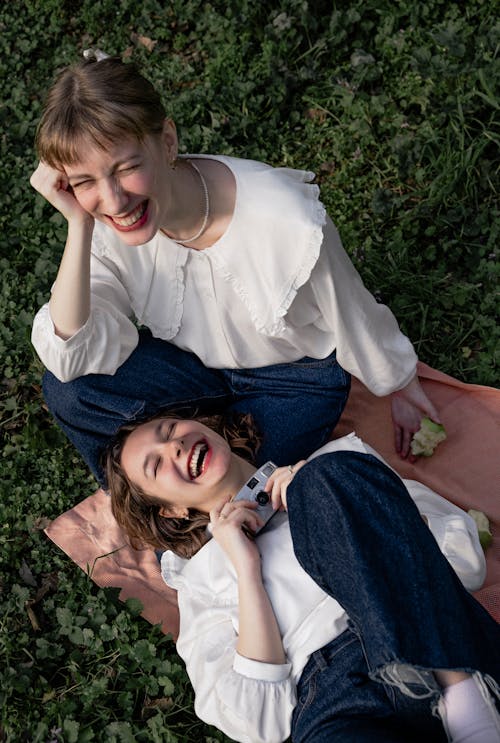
column 70, row 300
column 259, row 635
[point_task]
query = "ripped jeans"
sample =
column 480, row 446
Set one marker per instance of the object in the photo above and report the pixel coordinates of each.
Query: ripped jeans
column 359, row 535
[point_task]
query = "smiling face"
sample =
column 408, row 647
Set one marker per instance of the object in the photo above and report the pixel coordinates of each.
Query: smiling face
column 128, row 186
column 182, row 464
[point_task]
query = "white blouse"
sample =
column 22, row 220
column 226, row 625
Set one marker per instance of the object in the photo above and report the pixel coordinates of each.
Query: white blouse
column 252, row 701
column 275, row 287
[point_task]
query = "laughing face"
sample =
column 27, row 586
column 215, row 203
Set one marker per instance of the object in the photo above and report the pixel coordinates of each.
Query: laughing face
column 182, row 464
column 128, row 186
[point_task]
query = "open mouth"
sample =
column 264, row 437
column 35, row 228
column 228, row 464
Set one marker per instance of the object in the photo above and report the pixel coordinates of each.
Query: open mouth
column 197, row 459
column 133, row 220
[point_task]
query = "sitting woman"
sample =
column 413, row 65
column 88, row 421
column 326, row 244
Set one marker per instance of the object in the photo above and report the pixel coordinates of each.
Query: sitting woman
column 245, row 296
column 341, row 620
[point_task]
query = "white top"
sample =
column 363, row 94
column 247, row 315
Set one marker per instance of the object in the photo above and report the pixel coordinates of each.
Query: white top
column 252, row 701
column 275, row 287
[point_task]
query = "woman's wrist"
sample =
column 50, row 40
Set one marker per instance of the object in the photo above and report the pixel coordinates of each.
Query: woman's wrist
column 259, row 636
column 81, row 226
column 249, row 569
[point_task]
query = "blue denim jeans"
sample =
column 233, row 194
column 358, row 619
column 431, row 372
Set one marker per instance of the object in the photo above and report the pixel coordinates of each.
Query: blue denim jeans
column 295, row 405
column 357, row 532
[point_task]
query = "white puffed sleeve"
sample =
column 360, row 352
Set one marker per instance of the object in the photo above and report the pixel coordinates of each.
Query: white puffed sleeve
column 249, row 701
column 105, row 341
column 368, row 341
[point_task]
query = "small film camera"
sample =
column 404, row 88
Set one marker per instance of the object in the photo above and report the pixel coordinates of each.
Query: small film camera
column 253, row 490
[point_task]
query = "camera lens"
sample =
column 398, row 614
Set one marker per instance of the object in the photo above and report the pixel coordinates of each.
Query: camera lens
column 262, row 498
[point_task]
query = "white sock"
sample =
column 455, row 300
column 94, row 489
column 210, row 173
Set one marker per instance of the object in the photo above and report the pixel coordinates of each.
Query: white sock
column 468, row 712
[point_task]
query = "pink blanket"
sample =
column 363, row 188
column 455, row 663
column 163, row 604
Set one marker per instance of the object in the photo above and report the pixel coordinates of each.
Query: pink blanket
column 465, row 469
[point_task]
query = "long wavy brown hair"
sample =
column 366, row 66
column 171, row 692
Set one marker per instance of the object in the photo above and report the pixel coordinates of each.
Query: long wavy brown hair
column 139, row 515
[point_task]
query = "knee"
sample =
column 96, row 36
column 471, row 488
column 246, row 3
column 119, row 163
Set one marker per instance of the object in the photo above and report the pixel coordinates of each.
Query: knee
column 318, row 488
column 344, row 479
column 331, row 469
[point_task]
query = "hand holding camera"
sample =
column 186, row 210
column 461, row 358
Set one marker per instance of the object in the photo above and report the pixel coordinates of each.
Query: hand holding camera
column 254, row 491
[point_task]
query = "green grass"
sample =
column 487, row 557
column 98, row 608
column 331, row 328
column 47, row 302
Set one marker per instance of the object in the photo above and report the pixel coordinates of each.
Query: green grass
column 395, row 106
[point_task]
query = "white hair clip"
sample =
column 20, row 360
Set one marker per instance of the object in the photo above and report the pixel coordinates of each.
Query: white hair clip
column 96, row 54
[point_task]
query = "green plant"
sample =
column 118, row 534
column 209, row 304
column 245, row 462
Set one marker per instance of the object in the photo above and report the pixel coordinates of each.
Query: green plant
column 394, row 106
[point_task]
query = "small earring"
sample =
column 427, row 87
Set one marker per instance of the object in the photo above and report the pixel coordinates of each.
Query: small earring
column 173, row 163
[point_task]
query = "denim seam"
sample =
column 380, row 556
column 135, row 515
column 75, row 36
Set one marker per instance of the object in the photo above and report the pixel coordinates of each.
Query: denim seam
column 313, row 363
column 193, row 401
column 311, row 678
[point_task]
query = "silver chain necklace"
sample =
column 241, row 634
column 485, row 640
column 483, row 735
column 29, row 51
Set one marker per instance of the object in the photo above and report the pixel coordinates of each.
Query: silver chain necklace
column 207, row 208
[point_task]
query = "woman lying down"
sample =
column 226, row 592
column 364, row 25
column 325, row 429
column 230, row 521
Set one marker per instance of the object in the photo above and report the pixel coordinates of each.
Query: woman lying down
column 347, row 618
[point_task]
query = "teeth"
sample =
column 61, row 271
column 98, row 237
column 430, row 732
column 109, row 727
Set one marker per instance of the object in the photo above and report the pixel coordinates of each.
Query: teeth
column 131, row 218
column 196, row 461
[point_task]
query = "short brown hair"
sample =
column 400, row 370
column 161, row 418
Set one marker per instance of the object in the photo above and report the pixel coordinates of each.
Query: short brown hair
column 137, row 513
column 97, row 103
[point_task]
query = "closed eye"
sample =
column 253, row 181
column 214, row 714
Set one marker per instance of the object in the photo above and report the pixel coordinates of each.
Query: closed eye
column 128, row 169
column 166, row 432
column 157, row 465
column 82, row 184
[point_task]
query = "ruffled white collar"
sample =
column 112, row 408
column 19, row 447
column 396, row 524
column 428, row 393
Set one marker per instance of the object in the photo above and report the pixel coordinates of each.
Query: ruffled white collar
column 267, row 252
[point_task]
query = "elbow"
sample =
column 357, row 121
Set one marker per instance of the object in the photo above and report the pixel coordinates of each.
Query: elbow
column 68, row 333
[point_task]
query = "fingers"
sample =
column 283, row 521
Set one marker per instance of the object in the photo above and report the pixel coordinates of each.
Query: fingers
column 53, row 185
column 236, row 514
column 44, row 179
column 402, row 442
column 279, row 481
column 398, row 438
column 277, row 484
column 405, row 442
column 406, row 419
